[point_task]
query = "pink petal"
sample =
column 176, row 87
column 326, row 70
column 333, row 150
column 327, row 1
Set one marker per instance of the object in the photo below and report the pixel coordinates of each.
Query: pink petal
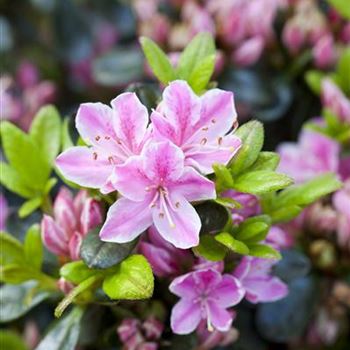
column 84, row 167
column 181, row 107
column 185, row 286
column 228, row 292
column 131, row 120
column 163, row 129
column 130, row 180
column 185, row 317
column 218, row 114
column 53, row 237
column 126, row 220
column 265, row 289
column 220, row 318
column 74, row 245
column 243, row 268
column 203, row 156
column 162, row 162
column 194, row 187
column 91, row 215
column 94, row 122
column 181, row 226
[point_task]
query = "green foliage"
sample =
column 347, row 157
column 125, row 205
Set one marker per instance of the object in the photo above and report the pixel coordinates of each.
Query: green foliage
column 314, row 80
column 33, row 247
column 196, row 63
column 64, row 334
column 266, row 161
column 214, row 217
column 343, row 67
column 209, row 249
column 133, row 280
column 263, row 251
column 235, row 245
column 11, row 340
column 30, row 158
column 101, row 255
column 76, row 271
column 342, row 6
column 12, row 251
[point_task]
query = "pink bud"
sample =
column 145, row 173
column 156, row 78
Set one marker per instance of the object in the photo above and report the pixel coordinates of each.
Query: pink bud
column 279, row 238
column 91, row 215
column 324, row 52
column 345, row 33
column 53, row 236
column 248, row 52
column 63, row 209
column 152, row 328
column 293, row 37
column 74, row 245
column 27, row 75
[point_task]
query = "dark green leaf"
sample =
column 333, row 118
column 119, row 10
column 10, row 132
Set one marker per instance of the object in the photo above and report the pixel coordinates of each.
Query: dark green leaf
column 233, row 244
column 133, row 280
column 210, row 249
column 158, row 61
column 17, row 300
column 213, row 216
column 64, row 334
column 101, row 255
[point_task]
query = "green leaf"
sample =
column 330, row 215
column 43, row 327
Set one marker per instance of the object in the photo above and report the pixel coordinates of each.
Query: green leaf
column 89, row 284
column 101, row 255
column 158, row 61
column 263, row 251
column 17, row 300
column 252, row 136
column 33, row 247
column 285, row 214
column 252, row 232
column 11, row 250
column 309, row 192
column 18, row 273
column 11, row 340
column 24, row 156
column 266, row 161
column 64, row 334
column 343, row 69
column 214, row 217
column 261, row 181
column 314, row 80
column 66, row 139
column 29, row 206
column 76, row 271
column 233, row 244
column 201, row 46
column 224, row 178
column 202, row 73
column 133, row 280
column 13, row 182
column 210, row 249
column 342, row 6
column 45, row 131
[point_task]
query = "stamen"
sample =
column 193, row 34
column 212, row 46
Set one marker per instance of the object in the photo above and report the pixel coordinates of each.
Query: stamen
column 111, row 160
column 220, row 141
column 203, row 141
column 213, row 121
column 161, row 215
column 177, row 204
column 205, row 129
column 94, row 155
column 107, row 137
column 164, row 206
column 97, row 138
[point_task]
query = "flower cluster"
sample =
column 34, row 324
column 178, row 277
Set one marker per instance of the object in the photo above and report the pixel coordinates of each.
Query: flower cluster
column 165, row 160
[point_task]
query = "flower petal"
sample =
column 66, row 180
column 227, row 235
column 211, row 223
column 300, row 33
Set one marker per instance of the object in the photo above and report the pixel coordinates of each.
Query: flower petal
column 131, row 120
column 220, row 318
column 94, row 122
column 228, row 292
column 181, row 225
column 162, row 128
column 184, row 286
column 185, row 317
column 74, row 245
column 91, row 215
column 194, row 187
column 130, row 180
column 203, row 156
column 181, row 107
column 126, row 220
column 163, row 162
column 84, row 167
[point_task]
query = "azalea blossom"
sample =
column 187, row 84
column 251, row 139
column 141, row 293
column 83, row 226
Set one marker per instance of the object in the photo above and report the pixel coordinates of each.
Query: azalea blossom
column 165, row 259
column 257, row 281
column 198, row 125
column 157, row 189
column 313, row 155
column 205, row 294
column 114, row 135
column 73, row 218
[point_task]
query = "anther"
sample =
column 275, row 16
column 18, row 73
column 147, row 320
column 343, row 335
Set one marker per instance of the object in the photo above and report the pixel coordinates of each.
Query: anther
column 205, row 129
column 203, row 141
column 220, row 141
column 177, row 204
column 97, row 138
column 111, row 160
column 213, row 121
column 94, row 155
column 161, row 215
column 107, row 137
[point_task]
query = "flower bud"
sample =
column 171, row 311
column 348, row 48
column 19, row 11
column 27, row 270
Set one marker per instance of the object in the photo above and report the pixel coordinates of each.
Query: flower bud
column 324, row 53
column 249, row 51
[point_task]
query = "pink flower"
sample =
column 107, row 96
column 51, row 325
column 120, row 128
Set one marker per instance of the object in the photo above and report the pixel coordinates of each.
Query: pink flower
column 198, row 125
column 249, row 51
column 157, row 189
column 257, row 281
column 313, row 155
column 279, row 238
column 324, row 53
column 250, row 205
column 140, row 336
column 341, row 202
column 293, row 36
column 165, row 259
column 205, row 294
column 115, row 134
column 3, row 211
column 73, row 218
column 334, row 99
